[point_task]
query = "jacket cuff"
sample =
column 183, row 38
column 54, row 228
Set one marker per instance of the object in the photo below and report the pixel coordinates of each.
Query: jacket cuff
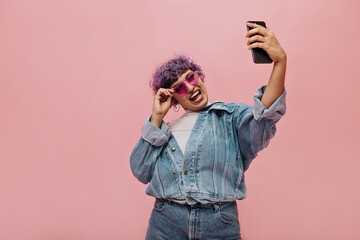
column 276, row 110
column 154, row 135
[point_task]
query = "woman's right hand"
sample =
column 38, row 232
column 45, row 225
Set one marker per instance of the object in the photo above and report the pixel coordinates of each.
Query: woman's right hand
column 161, row 105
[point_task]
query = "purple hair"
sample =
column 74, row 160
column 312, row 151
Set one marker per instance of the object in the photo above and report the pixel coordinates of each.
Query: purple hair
column 168, row 73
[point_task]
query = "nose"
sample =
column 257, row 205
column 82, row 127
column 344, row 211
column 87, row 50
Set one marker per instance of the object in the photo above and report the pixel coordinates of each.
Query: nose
column 189, row 87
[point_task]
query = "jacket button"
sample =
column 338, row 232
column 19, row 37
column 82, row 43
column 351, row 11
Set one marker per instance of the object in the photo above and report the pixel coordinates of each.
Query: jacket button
column 197, row 171
column 174, row 173
column 218, row 113
column 173, row 149
column 190, row 198
column 199, row 145
column 185, row 172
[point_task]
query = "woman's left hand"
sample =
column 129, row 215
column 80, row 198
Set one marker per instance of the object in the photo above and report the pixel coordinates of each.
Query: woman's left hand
column 267, row 41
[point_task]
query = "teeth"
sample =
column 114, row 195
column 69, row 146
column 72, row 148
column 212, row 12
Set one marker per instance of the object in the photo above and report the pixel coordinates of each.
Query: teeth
column 195, row 94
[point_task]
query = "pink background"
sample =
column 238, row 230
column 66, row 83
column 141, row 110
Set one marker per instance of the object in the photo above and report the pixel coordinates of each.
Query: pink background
column 74, row 93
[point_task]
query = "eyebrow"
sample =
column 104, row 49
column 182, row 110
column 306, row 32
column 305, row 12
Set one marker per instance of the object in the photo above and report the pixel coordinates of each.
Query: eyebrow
column 187, row 75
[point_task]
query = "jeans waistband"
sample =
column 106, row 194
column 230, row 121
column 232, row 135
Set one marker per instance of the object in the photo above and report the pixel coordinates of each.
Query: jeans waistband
column 215, row 205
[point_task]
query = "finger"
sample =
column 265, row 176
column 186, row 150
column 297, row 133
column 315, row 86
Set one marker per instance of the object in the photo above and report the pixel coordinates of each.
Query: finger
column 256, row 45
column 168, row 92
column 257, row 29
column 254, row 25
column 160, row 96
column 162, row 92
column 168, row 100
column 165, row 95
column 255, row 38
column 158, row 93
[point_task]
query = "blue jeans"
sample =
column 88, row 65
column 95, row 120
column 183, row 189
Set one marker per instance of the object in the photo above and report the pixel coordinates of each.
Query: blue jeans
column 172, row 221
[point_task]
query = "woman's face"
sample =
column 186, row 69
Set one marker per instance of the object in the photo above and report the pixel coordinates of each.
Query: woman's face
column 195, row 97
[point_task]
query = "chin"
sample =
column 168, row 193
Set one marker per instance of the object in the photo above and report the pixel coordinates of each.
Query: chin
column 198, row 106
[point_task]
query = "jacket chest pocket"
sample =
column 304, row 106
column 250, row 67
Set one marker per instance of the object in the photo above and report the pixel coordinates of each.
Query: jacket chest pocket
column 221, row 125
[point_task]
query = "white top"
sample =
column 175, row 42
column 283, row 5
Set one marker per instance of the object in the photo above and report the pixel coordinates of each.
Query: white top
column 182, row 127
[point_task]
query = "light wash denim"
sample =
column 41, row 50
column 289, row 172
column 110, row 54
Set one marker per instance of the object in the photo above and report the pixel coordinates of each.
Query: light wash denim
column 225, row 139
column 173, row 221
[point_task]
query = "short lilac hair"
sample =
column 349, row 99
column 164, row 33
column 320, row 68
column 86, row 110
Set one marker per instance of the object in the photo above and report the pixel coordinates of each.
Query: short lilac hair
column 168, row 73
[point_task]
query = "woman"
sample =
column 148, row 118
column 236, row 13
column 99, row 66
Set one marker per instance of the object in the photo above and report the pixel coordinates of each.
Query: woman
column 195, row 166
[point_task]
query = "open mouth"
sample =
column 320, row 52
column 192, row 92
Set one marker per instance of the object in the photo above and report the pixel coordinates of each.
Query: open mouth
column 195, row 96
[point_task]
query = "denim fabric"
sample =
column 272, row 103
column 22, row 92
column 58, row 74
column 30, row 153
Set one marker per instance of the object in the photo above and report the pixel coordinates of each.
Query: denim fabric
column 170, row 220
column 225, row 139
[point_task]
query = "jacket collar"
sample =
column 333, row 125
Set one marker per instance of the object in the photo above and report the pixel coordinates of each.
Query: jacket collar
column 217, row 105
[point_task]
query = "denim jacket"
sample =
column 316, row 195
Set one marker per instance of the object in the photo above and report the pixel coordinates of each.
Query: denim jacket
column 225, row 139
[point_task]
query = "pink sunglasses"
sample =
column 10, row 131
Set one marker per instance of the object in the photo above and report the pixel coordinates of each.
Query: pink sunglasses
column 181, row 89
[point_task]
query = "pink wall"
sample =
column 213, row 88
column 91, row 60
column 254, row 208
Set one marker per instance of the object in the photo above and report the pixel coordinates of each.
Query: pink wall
column 74, row 93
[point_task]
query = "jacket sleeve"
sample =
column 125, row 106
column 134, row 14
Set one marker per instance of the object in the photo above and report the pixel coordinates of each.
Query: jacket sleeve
column 256, row 125
column 147, row 150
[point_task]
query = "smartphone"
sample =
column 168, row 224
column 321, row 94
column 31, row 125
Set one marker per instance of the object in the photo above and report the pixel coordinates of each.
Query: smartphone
column 259, row 55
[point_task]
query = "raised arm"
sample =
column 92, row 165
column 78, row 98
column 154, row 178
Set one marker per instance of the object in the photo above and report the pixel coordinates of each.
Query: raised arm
column 270, row 44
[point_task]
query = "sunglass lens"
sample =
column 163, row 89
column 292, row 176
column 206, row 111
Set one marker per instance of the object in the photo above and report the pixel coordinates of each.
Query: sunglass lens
column 193, row 78
column 180, row 89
